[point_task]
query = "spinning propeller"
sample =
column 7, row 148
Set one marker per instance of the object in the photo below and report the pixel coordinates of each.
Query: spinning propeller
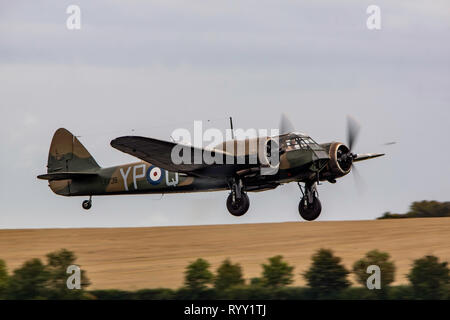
column 286, row 125
column 349, row 158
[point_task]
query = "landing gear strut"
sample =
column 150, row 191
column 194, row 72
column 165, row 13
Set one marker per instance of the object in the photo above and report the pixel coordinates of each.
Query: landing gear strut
column 309, row 206
column 87, row 204
column 238, row 201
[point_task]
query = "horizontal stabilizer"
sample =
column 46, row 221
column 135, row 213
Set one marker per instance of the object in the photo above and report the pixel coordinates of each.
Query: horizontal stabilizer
column 66, row 175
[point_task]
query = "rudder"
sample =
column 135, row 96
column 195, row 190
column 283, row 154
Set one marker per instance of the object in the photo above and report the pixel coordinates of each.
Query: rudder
column 67, row 159
column 67, row 154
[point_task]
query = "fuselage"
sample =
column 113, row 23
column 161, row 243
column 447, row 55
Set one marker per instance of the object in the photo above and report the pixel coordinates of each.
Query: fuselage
column 240, row 166
column 298, row 162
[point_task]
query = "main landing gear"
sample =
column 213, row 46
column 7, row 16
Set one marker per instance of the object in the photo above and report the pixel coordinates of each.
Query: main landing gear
column 309, row 206
column 238, row 201
column 87, row 204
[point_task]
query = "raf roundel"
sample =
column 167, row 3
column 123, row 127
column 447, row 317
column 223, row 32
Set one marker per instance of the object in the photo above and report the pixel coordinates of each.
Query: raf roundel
column 154, row 175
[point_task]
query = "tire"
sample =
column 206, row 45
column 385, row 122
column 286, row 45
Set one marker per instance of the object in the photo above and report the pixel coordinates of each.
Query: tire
column 311, row 211
column 240, row 207
column 86, row 204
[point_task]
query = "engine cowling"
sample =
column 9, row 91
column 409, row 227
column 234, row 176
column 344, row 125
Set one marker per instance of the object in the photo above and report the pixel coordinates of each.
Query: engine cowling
column 263, row 151
column 340, row 163
column 268, row 153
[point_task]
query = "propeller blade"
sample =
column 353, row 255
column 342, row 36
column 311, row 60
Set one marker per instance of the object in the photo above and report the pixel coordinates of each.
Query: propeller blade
column 353, row 128
column 286, row 125
column 359, row 181
column 367, row 156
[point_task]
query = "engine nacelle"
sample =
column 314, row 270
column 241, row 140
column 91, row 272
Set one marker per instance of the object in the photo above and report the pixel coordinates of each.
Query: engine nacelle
column 264, row 151
column 340, row 163
column 269, row 153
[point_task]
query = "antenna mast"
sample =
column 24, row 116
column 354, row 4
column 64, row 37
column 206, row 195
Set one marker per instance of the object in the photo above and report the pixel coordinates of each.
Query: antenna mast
column 232, row 130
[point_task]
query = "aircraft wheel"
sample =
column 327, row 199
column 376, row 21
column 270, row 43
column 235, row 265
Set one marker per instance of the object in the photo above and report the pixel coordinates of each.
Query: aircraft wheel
column 310, row 212
column 240, row 206
column 87, row 204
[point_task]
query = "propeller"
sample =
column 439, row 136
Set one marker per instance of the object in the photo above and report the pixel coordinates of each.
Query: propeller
column 359, row 181
column 353, row 129
column 286, row 125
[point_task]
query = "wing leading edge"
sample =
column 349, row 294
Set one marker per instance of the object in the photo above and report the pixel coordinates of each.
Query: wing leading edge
column 159, row 153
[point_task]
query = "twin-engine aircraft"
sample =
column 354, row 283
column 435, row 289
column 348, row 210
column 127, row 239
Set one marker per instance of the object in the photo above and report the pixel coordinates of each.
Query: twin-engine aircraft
column 72, row 171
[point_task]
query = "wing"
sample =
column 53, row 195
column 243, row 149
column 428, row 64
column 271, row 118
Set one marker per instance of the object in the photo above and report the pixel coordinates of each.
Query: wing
column 159, row 153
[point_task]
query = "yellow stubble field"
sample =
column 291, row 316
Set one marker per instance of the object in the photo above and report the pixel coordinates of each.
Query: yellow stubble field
column 136, row 258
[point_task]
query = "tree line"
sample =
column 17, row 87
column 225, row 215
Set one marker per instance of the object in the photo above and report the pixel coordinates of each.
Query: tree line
column 422, row 209
column 326, row 278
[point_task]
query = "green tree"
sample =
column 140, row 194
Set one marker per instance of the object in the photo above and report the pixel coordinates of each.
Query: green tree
column 422, row 209
column 57, row 264
column 430, row 278
column 389, row 215
column 29, row 281
column 380, row 259
column 256, row 281
column 197, row 275
column 326, row 276
column 4, row 279
column 277, row 273
column 228, row 275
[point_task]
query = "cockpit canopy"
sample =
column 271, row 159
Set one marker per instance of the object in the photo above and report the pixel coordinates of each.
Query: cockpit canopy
column 299, row 141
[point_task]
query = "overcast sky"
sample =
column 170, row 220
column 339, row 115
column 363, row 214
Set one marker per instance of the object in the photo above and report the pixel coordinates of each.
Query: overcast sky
column 154, row 66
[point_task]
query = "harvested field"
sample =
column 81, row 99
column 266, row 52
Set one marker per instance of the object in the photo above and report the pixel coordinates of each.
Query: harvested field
column 135, row 258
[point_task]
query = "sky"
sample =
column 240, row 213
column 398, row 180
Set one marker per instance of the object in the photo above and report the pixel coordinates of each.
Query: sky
column 150, row 67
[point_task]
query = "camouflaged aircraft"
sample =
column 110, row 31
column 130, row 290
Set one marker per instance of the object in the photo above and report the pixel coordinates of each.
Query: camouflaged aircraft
column 72, row 171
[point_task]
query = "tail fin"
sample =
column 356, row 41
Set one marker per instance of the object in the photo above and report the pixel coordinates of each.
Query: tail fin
column 67, row 159
column 67, row 154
